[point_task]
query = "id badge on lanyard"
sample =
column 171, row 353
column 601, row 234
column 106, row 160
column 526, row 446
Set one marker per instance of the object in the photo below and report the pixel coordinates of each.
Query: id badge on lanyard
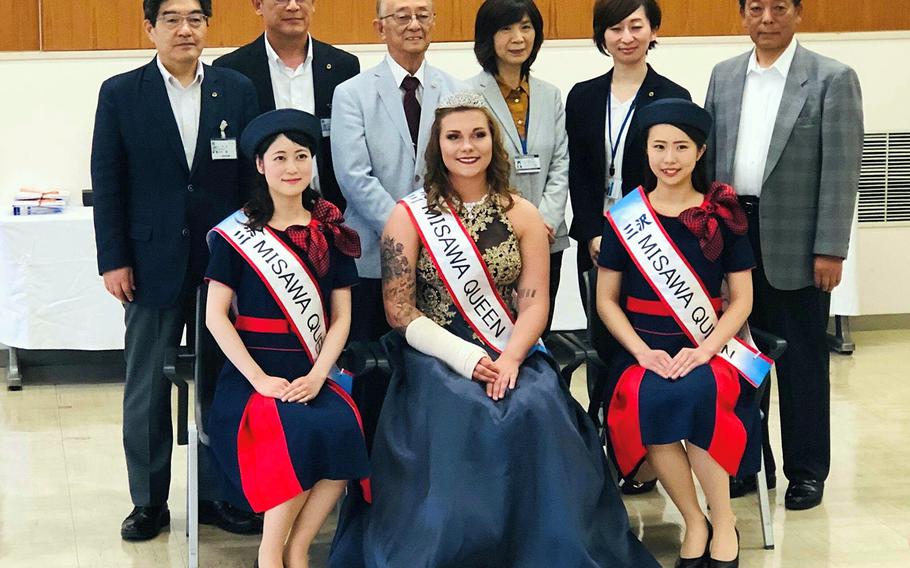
column 527, row 163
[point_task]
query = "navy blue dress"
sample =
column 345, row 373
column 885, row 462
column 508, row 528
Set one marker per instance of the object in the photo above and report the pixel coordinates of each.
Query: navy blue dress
column 270, row 451
column 712, row 407
column 462, row 481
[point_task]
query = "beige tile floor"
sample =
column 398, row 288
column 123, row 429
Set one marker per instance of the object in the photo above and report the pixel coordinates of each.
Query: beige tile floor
column 63, row 489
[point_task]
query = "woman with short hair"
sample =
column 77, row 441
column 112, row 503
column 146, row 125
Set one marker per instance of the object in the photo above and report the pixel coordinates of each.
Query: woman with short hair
column 507, row 37
column 604, row 165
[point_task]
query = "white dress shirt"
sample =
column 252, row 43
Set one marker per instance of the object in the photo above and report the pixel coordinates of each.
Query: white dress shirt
column 186, row 104
column 399, row 73
column 618, row 111
column 293, row 88
column 762, row 94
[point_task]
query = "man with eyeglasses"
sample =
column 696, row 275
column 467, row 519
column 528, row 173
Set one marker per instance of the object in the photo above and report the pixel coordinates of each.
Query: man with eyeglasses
column 165, row 169
column 789, row 137
column 290, row 69
column 380, row 123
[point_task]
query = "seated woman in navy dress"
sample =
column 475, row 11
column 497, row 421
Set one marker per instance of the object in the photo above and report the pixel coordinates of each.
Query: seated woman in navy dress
column 287, row 436
column 482, row 458
column 677, row 403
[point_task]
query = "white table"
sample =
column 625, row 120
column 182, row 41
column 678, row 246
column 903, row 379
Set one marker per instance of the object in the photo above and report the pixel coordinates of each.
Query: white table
column 51, row 296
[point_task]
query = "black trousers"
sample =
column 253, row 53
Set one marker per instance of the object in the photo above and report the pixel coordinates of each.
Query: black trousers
column 555, row 274
column 368, row 323
column 803, row 382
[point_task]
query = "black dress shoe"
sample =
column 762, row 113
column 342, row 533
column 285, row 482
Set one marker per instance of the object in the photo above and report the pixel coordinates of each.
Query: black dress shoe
column 804, row 494
column 726, row 563
column 743, row 486
column 701, row 561
column 229, row 518
column 145, row 523
column 634, row 487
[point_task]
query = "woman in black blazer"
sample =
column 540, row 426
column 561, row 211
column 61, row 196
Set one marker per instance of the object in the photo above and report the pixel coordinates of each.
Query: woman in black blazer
column 600, row 120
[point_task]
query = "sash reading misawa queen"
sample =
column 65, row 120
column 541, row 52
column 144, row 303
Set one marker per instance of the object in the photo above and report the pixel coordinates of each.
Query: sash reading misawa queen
column 462, row 270
column 677, row 285
column 285, row 276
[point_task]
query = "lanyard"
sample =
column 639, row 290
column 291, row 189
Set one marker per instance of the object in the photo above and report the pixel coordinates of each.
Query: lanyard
column 524, row 139
column 614, row 147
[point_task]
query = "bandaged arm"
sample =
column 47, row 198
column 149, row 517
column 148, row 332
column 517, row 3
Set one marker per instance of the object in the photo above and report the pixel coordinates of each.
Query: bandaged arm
column 428, row 337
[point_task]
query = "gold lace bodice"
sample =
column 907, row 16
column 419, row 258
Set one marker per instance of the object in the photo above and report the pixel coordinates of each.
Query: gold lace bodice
column 495, row 238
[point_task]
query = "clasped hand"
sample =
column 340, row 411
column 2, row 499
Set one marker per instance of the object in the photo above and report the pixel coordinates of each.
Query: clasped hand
column 302, row 389
column 499, row 376
column 673, row 368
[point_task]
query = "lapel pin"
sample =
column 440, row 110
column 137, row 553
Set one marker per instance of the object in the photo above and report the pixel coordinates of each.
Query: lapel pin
column 214, row 94
column 651, row 94
column 328, row 65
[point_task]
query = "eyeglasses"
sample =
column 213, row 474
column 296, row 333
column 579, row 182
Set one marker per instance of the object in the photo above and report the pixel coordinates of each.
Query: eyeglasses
column 403, row 19
column 174, row 21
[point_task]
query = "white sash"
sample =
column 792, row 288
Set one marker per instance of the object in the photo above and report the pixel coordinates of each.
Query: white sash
column 285, row 276
column 677, row 285
column 462, row 270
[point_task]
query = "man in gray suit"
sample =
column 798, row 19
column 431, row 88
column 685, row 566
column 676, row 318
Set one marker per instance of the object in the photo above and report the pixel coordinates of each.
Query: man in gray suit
column 789, row 137
column 381, row 119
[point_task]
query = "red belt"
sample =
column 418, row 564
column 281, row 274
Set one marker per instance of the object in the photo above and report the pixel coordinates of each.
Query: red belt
column 658, row 308
column 262, row 325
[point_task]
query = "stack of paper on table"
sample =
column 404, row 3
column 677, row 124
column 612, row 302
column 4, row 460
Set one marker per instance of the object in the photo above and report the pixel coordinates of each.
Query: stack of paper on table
column 34, row 202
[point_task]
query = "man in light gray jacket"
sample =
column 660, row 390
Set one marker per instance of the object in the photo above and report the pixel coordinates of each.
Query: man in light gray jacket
column 789, row 136
column 381, row 119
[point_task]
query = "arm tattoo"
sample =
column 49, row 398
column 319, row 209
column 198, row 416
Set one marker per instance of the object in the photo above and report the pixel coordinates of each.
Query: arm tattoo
column 399, row 284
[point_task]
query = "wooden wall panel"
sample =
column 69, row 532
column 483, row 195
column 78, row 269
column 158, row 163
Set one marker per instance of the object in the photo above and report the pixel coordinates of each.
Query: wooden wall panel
column 117, row 24
column 19, row 25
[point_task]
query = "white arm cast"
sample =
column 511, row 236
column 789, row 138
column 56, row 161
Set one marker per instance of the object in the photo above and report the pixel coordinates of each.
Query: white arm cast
column 426, row 336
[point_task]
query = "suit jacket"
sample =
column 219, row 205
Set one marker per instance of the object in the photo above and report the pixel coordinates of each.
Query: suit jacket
column 331, row 67
column 586, row 123
column 375, row 161
column 812, row 173
column 548, row 189
column 152, row 212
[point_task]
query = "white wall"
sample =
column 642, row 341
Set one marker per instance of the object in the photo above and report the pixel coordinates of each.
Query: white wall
column 47, row 105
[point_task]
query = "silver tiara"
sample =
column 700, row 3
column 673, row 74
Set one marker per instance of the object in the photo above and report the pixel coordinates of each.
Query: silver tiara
column 463, row 99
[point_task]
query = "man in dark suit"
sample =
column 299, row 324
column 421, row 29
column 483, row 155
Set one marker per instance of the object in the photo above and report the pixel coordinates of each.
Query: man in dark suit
column 290, row 69
column 165, row 170
column 789, row 137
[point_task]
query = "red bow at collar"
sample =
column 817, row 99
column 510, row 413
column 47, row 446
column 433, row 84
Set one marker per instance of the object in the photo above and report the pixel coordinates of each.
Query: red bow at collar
column 720, row 204
column 326, row 218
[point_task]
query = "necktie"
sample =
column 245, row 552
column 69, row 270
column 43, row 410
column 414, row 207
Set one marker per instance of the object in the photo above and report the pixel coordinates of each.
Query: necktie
column 411, row 106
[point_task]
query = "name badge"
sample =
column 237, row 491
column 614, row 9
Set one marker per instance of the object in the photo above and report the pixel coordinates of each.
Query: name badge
column 326, row 124
column 224, row 148
column 527, row 164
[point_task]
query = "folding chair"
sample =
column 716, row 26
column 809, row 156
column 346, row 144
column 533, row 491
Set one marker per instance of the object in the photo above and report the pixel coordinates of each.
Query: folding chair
column 356, row 358
column 769, row 344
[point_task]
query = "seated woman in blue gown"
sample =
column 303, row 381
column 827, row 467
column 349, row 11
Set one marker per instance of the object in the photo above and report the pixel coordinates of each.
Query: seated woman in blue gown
column 678, row 403
column 286, row 435
column 482, row 458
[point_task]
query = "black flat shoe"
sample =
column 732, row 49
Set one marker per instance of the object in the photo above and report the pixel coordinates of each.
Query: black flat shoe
column 633, row 487
column 804, row 494
column 701, row 561
column 726, row 563
column 145, row 523
column 229, row 518
column 740, row 487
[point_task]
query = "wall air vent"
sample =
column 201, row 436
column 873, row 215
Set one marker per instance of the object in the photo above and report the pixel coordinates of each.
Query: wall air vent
column 884, row 181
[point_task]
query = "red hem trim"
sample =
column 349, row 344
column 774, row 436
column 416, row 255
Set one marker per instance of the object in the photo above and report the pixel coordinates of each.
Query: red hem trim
column 728, row 443
column 624, row 420
column 365, row 485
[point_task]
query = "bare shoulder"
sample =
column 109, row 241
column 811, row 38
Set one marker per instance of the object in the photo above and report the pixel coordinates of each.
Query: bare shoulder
column 399, row 221
column 524, row 216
